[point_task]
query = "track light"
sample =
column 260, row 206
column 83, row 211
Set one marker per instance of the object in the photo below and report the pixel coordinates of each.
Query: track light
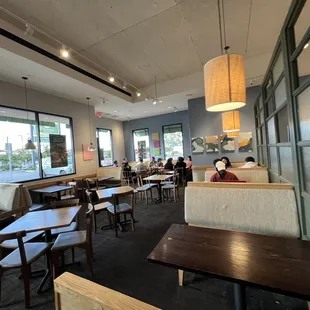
column 154, row 101
column 138, row 93
column 124, row 86
column 64, row 52
column 146, row 98
column 29, row 30
column 111, row 78
column 306, row 46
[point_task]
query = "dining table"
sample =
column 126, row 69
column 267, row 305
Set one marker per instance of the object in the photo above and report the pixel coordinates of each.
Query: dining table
column 158, row 179
column 45, row 220
column 277, row 264
column 54, row 189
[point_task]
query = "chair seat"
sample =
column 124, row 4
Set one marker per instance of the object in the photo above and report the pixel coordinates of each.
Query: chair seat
column 38, row 207
column 71, row 227
column 166, row 182
column 121, row 208
column 69, row 240
column 102, row 206
column 64, row 197
column 145, row 187
column 33, row 250
column 169, row 186
column 13, row 244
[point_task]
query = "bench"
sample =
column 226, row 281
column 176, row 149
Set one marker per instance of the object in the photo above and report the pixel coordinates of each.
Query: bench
column 251, row 175
column 76, row 293
column 267, row 209
column 115, row 172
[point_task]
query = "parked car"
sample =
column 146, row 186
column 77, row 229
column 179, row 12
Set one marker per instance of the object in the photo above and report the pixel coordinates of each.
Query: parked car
column 48, row 171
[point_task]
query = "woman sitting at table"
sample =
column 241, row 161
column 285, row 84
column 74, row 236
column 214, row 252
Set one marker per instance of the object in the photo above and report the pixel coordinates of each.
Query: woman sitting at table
column 180, row 166
column 169, row 164
column 160, row 163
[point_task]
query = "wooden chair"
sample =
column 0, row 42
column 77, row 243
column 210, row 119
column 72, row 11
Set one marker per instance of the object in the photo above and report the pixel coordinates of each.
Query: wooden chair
column 75, row 239
column 98, row 207
column 62, row 204
column 22, row 257
column 93, row 185
column 33, row 206
column 127, row 177
column 70, row 193
column 144, row 188
column 174, row 187
column 80, row 189
column 122, row 208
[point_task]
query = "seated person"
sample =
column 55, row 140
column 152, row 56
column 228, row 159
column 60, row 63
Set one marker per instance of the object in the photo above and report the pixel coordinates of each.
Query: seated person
column 169, row 164
column 160, row 163
column 141, row 167
column 126, row 167
column 250, row 163
column 222, row 175
column 189, row 163
column 153, row 162
column 226, row 161
column 115, row 163
column 125, row 160
column 180, row 166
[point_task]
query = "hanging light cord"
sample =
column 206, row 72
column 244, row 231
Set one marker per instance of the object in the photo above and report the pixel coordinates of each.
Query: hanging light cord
column 26, row 96
column 220, row 26
column 248, row 32
column 224, row 27
column 155, row 89
column 89, row 121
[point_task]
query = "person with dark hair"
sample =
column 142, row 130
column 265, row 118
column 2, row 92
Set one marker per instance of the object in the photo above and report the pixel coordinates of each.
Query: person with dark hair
column 169, row 164
column 189, row 162
column 215, row 161
column 221, row 174
column 115, row 163
column 250, row 162
column 141, row 167
column 160, row 163
column 153, row 162
column 180, row 166
column 189, row 169
column 226, row 161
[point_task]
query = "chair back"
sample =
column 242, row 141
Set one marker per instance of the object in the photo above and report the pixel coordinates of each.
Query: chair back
column 19, row 236
column 66, row 203
column 89, row 196
column 89, row 223
column 92, row 183
column 139, row 180
column 72, row 191
column 116, row 197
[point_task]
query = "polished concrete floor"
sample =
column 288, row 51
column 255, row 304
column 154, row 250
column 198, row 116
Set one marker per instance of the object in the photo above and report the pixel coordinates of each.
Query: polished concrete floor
column 120, row 264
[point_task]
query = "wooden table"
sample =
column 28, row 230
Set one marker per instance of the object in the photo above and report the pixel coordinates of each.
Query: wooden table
column 102, row 179
column 105, row 194
column 158, row 178
column 43, row 220
column 51, row 190
column 278, row 264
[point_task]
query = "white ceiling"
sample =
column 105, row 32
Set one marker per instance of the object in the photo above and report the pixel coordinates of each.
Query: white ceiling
column 138, row 39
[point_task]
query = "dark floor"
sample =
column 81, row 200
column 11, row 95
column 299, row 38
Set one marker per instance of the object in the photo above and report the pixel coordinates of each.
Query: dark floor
column 120, row 264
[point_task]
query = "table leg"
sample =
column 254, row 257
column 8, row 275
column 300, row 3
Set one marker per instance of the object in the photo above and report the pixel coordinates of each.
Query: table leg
column 159, row 200
column 58, row 196
column 48, row 238
column 239, row 296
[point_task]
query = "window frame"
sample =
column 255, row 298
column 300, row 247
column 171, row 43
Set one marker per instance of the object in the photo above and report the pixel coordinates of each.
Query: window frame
column 98, row 146
column 37, row 124
column 163, row 135
column 133, row 140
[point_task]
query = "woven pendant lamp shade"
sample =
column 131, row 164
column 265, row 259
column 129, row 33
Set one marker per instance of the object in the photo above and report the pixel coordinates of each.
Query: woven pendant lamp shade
column 231, row 121
column 224, row 80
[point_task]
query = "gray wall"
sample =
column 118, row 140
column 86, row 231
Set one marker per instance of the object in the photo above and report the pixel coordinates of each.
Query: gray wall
column 154, row 124
column 203, row 123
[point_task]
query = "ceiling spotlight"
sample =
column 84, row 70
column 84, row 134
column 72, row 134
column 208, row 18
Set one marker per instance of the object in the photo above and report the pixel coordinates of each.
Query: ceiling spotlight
column 115, row 111
column 306, row 46
column 111, row 78
column 124, row 86
column 146, row 98
column 29, row 30
column 64, row 52
column 145, row 111
column 138, row 93
column 160, row 101
column 169, row 107
column 154, row 101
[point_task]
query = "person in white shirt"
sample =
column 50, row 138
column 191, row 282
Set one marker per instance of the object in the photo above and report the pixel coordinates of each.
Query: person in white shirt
column 141, row 166
column 250, row 163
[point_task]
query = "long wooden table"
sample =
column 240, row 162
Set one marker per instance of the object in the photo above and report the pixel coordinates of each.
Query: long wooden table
column 278, row 264
column 54, row 189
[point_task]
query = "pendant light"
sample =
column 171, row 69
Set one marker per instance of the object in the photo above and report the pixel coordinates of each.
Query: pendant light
column 231, row 121
column 91, row 147
column 29, row 145
column 156, row 100
column 224, row 77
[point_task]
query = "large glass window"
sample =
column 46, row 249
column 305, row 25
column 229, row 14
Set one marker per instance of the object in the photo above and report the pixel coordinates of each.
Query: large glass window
column 141, row 141
column 173, row 141
column 105, row 151
column 54, row 151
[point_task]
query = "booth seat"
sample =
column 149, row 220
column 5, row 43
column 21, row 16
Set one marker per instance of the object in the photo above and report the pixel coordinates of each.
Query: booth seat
column 251, row 175
column 73, row 292
column 115, row 172
column 268, row 209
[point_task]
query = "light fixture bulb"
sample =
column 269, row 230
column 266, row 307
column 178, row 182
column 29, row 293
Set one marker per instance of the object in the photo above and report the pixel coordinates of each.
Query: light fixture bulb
column 111, row 78
column 154, row 101
column 306, row 45
column 64, row 52
column 138, row 94
column 160, row 101
column 91, row 148
column 146, row 98
column 124, row 86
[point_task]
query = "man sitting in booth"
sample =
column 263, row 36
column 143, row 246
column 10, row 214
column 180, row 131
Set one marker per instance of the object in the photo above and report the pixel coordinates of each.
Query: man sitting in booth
column 222, row 175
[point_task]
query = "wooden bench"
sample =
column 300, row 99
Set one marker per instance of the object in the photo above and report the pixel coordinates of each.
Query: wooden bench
column 76, row 293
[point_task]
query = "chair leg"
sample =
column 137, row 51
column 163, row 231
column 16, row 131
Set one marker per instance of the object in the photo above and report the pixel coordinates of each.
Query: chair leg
column 151, row 193
column 115, row 224
column 26, row 275
column 72, row 255
column 54, row 259
column 181, row 277
column 147, row 198
column 89, row 260
column 1, row 273
column 174, row 195
column 95, row 222
column 132, row 223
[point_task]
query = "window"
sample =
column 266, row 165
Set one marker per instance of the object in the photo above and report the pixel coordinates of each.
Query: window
column 52, row 136
column 141, row 142
column 173, row 141
column 105, row 151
